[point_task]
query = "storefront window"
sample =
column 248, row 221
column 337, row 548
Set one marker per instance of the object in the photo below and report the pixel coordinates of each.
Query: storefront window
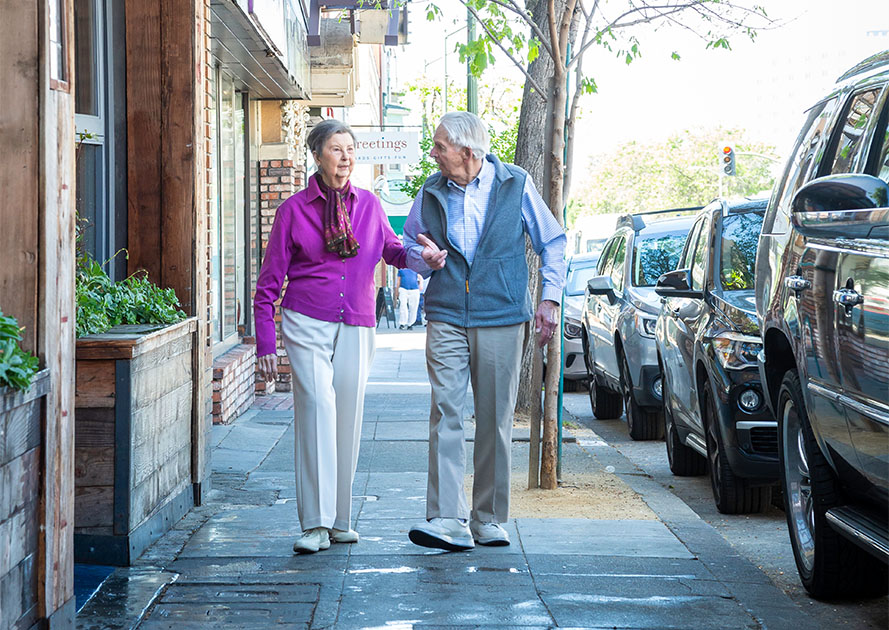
column 58, row 54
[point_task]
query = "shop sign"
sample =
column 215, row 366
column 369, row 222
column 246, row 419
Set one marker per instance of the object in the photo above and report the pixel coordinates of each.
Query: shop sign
column 387, row 147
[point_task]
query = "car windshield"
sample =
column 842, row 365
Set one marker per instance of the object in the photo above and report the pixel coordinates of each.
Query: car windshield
column 656, row 255
column 740, row 234
column 577, row 279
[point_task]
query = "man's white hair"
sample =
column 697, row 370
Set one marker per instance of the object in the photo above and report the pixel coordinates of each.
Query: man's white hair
column 465, row 129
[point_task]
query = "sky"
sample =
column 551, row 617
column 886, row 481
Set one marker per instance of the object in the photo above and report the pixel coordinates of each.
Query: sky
column 763, row 87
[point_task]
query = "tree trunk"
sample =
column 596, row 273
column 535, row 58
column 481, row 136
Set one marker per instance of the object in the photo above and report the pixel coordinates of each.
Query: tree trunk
column 531, row 155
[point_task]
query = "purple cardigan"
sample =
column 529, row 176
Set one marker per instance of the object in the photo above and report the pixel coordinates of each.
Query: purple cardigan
column 321, row 284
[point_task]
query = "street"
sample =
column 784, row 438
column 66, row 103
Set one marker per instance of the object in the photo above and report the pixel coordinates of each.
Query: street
column 761, row 538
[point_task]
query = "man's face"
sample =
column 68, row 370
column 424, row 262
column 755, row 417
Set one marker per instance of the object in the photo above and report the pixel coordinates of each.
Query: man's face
column 451, row 159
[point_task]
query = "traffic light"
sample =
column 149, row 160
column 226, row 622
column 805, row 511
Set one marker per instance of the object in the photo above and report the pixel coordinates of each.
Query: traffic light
column 728, row 159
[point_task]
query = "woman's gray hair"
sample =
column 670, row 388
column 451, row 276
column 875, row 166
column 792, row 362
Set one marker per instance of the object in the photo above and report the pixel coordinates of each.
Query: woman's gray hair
column 321, row 133
column 465, row 129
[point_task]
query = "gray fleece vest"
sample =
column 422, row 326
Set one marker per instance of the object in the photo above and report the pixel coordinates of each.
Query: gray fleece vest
column 493, row 291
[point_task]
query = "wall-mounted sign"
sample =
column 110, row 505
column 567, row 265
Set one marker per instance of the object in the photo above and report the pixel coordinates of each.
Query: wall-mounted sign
column 387, row 147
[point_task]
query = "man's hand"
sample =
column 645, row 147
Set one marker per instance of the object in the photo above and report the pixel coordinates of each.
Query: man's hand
column 546, row 320
column 268, row 367
column 432, row 255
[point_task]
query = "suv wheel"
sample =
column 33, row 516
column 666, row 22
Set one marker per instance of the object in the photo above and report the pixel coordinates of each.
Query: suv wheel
column 732, row 494
column 606, row 404
column 642, row 424
column 684, row 461
column 828, row 564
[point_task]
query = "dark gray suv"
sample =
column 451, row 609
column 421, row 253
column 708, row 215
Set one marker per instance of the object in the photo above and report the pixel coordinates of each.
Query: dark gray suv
column 822, row 299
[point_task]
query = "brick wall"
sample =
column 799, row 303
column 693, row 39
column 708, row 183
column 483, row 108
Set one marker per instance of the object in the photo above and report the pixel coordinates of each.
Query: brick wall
column 233, row 388
column 278, row 179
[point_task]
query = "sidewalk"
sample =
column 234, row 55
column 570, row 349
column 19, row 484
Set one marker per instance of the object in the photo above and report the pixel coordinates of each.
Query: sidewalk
column 230, row 564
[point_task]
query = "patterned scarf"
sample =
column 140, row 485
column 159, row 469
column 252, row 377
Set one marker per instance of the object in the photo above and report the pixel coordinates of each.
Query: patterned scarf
column 337, row 225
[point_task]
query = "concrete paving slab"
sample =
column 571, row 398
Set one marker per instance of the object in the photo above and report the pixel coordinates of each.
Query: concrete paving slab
column 396, row 483
column 394, row 507
column 203, row 616
column 237, row 459
column 218, row 433
column 123, row 598
column 253, row 437
column 221, row 593
column 602, row 538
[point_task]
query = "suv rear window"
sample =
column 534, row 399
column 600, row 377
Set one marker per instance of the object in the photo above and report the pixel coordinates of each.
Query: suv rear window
column 656, row 255
column 740, row 234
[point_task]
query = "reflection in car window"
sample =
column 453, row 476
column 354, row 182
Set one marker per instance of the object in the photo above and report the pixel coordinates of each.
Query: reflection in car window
column 699, row 262
column 809, row 150
column 850, row 142
column 883, row 163
column 740, row 235
column 617, row 270
column 577, row 279
column 655, row 256
column 685, row 262
column 603, row 268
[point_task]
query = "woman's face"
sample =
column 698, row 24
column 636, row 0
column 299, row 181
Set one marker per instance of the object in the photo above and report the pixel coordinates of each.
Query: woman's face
column 337, row 159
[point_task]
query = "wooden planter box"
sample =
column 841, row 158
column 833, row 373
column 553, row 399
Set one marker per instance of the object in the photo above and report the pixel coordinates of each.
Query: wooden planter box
column 133, row 439
column 20, row 459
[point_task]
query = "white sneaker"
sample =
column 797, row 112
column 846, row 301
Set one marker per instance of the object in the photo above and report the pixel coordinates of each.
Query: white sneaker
column 343, row 536
column 312, row 540
column 450, row 534
column 490, row 534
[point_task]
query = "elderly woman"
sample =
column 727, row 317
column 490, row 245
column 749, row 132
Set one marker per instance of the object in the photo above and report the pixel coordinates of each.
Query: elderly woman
column 326, row 240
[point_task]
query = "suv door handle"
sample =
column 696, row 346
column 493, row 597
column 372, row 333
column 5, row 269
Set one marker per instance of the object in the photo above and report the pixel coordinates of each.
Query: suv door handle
column 847, row 298
column 797, row 283
column 675, row 312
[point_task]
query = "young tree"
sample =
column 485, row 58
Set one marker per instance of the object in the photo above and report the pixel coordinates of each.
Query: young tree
column 547, row 39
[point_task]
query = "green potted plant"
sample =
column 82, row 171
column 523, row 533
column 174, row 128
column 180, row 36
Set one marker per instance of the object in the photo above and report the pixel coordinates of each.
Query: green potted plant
column 133, row 399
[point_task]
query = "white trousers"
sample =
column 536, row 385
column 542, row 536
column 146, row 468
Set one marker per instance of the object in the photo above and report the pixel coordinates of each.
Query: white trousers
column 489, row 357
column 408, row 303
column 330, row 363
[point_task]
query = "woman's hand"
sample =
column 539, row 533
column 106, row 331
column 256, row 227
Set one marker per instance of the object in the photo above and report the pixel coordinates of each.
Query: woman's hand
column 432, row 255
column 268, row 367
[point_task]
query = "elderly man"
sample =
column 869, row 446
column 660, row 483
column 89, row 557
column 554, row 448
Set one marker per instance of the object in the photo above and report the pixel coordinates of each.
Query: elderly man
column 477, row 211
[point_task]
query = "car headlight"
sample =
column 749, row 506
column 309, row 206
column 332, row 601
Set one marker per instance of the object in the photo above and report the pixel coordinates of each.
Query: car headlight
column 736, row 351
column 645, row 325
column 572, row 330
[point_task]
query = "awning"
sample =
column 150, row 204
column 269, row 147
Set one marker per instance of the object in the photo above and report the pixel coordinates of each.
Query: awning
column 269, row 69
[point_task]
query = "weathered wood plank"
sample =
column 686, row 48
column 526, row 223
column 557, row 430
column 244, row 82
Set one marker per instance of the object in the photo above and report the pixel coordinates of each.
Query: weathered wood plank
column 94, row 384
column 144, row 34
column 18, row 592
column 93, row 466
column 20, row 175
column 56, row 337
column 153, row 383
column 19, row 431
column 158, row 448
column 94, row 428
column 18, row 537
column 127, row 344
column 94, row 506
column 159, row 356
column 19, row 483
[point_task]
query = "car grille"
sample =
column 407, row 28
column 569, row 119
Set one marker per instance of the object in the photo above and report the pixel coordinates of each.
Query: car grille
column 764, row 440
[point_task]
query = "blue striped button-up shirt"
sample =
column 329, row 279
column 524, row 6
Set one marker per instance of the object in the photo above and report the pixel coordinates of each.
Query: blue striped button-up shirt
column 466, row 218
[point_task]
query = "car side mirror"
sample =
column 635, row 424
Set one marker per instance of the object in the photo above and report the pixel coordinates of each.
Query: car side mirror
column 677, row 283
column 601, row 285
column 854, row 206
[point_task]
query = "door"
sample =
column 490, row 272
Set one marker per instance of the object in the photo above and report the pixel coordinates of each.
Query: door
column 676, row 373
column 862, row 321
column 606, row 357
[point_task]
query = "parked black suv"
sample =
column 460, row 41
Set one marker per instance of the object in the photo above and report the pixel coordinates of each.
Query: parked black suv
column 707, row 340
column 822, row 297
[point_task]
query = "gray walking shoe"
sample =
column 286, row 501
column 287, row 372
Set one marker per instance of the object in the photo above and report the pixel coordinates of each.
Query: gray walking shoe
column 312, row 540
column 450, row 534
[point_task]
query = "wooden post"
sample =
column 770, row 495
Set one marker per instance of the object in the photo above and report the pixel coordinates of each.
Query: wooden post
column 166, row 42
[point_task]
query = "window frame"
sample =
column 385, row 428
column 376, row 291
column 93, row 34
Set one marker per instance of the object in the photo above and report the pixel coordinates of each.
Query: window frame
column 706, row 224
column 859, row 162
column 872, row 165
column 60, row 80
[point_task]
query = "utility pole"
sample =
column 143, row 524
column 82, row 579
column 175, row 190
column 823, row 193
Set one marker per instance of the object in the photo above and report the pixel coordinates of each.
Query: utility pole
column 471, row 81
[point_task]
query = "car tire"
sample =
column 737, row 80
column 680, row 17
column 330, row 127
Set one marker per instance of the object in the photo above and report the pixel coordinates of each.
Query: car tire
column 732, row 494
column 642, row 424
column 684, row 461
column 828, row 564
column 606, row 404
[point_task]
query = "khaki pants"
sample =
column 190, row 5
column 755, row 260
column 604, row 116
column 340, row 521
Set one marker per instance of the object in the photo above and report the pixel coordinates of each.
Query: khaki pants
column 330, row 363
column 490, row 357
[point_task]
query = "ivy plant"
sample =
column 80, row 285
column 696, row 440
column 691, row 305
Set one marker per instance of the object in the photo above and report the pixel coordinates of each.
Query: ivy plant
column 102, row 303
column 17, row 367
